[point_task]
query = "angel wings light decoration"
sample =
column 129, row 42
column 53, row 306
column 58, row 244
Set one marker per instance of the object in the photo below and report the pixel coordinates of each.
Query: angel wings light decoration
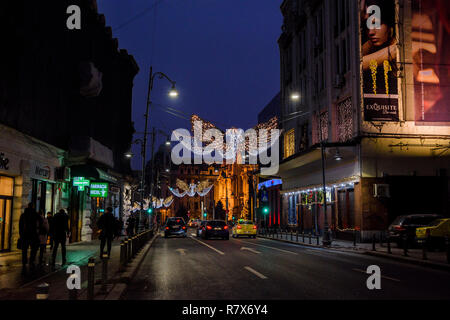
column 202, row 188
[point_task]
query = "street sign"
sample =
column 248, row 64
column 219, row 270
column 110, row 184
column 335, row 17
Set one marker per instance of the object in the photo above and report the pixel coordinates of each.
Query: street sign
column 264, row 195
column 99, row 190
column 81, row 183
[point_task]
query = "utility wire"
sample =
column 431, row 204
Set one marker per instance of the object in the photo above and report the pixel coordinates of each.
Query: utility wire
column 139, row 15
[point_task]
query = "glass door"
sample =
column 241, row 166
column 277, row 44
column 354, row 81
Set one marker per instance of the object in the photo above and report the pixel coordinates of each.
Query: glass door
column 5, row 223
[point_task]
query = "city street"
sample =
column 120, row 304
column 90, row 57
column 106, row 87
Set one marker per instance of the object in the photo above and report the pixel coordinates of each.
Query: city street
column 196, row 269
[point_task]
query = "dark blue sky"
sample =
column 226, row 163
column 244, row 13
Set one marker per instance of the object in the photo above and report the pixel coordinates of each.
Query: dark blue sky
column 223, row 54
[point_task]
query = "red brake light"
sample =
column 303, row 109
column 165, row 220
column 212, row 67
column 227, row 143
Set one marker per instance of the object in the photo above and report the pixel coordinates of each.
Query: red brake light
column 167, row 228
column 208, row 227
column 399, row 228
column 178, row 221
column 239, row 227
column 254, row 227
column 225, row 228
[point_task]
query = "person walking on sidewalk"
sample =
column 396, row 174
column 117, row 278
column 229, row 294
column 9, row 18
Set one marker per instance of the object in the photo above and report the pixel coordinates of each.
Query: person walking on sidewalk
column 130, row 226
column 60, row 234
column 107, row 226
column 29, row 235
column 50, row 231
column 43, row 235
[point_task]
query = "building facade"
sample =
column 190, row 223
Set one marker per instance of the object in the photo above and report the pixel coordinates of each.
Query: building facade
column 376, row 102
column 65, row 101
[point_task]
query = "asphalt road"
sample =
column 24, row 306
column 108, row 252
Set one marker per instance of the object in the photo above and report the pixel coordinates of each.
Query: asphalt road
column 261, row 269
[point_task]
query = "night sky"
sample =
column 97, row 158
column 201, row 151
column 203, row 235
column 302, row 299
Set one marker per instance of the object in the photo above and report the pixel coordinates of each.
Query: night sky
column 223, row 54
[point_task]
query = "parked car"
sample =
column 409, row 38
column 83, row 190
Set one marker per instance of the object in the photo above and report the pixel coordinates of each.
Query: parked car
column 200, row 227
column 175, row 227
column 244, row 228
column 194, row 223
column 435, row 233
column 407, row 225
column 215, row 229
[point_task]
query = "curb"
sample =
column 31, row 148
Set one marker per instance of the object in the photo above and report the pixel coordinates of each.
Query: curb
column 423, row 263
column 121, row 287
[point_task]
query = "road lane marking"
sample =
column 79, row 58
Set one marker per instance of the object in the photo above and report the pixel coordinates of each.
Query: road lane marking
column 211, row 247
column 388, row 278
column 249, row 249
column 261, row 245
column 181, row 251
column 256, row 273
column 193, row 234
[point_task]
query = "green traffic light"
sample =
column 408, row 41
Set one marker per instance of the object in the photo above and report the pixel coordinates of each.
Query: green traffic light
column 150, row 210
column 266, row 210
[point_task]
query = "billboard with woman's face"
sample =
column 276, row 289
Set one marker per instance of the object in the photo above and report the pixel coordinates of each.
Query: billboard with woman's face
column 430, row 35
column 379, row 57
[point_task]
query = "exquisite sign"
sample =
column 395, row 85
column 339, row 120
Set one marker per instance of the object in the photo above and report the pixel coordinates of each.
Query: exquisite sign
column 81, row 183
column 99, row 190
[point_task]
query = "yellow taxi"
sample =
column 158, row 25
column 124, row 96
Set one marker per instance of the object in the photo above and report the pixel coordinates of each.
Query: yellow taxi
column 244, row 228
column 435, row 232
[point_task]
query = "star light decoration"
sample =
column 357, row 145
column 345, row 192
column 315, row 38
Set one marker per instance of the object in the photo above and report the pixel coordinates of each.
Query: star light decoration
column 200, row 125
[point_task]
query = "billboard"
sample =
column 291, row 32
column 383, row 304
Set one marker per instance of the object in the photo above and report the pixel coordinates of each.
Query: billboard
column 379, row 60
column 430, row 35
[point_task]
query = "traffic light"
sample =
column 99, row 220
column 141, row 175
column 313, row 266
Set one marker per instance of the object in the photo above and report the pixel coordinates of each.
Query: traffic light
column 265, row 210
column 205, row 214
column 150, row 210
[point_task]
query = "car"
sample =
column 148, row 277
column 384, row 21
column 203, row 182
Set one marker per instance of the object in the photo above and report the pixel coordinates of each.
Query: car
column 434, row 234
column 194, row 223
column 200, row 228
column 175, row 227
column 215, row 229
column 407, row 225
column 244, row 228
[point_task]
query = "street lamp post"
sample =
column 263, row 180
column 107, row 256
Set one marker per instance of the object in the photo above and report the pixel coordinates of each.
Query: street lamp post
column 172, row 93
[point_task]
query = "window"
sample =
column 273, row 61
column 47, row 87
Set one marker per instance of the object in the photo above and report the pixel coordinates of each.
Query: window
column 6, row 186
column 289, row 143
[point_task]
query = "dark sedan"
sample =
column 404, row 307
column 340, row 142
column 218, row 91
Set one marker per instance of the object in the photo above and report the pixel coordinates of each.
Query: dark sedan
column 175, row 227
column 405, row 226
column 215, row 229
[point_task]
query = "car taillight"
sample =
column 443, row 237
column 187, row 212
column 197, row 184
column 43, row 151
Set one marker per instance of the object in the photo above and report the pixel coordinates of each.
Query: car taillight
column 167, row 228
column 208, row 227
column 225, row 228
column 399, row 228
column 254, row 227
column 178, row 221
column 184, row 228
column 239, row 227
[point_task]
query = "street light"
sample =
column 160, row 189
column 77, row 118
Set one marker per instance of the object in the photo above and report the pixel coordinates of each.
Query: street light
column 172, row 93
column 295, row 96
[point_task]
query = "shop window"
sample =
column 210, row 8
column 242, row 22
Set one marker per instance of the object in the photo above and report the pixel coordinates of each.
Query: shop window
column 289, row 143
column 6, row 186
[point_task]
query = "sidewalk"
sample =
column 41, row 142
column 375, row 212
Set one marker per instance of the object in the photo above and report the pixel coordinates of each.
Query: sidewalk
column 15, row 286
column 434, row 259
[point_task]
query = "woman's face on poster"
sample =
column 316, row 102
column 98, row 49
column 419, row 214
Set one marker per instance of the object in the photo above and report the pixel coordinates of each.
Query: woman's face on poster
column 379, row 37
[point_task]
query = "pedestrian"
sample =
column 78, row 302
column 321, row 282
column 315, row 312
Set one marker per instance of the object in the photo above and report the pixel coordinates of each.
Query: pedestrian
column 29, row 235
column 119, row 227
column 50, row 231
column 60, row 234
column 130, row 225
column 107, row 225
column 43, row 235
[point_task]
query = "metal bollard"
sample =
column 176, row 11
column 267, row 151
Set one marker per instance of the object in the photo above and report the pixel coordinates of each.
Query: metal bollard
column 389, row 245
column 424, row 250
column 374, row 239
column 42, row 291
column 104, row 272
column 297, row 235
column 129, row 250
column 292, row 239
column 91, row 279
column 448, row 249
column 354, row 238
column 318, row 243
column 310, row 236
column 303, row 235
column 122, row 256
column 405, row 245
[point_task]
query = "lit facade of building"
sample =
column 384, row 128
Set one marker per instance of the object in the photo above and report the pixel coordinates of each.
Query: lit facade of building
column 382, row 113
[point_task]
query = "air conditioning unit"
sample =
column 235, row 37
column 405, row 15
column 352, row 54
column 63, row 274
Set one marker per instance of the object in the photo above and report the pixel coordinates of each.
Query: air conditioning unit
column 381, row 191
column 62, row 174
column 339, row 81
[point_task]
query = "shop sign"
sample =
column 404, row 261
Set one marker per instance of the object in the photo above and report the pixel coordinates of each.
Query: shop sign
column 4, row 162
column 81, row 183
column 99, row 190
column 40, row 171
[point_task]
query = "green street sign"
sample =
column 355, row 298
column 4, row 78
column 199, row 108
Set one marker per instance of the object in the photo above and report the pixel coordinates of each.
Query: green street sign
column 81, row 183
column 99, row 190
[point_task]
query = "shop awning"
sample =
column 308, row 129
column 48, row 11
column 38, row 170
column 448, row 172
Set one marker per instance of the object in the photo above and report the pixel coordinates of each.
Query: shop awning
column 92, row 173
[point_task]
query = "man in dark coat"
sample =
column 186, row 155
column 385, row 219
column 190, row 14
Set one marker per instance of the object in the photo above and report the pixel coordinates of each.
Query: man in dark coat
column 107, row 225
column 50, row 231
column 130, row 227
column 60, row 232
column 29, row 234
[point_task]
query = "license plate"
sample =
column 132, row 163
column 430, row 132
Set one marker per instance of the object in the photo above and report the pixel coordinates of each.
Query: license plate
column 217, row 229
column 175, row 227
